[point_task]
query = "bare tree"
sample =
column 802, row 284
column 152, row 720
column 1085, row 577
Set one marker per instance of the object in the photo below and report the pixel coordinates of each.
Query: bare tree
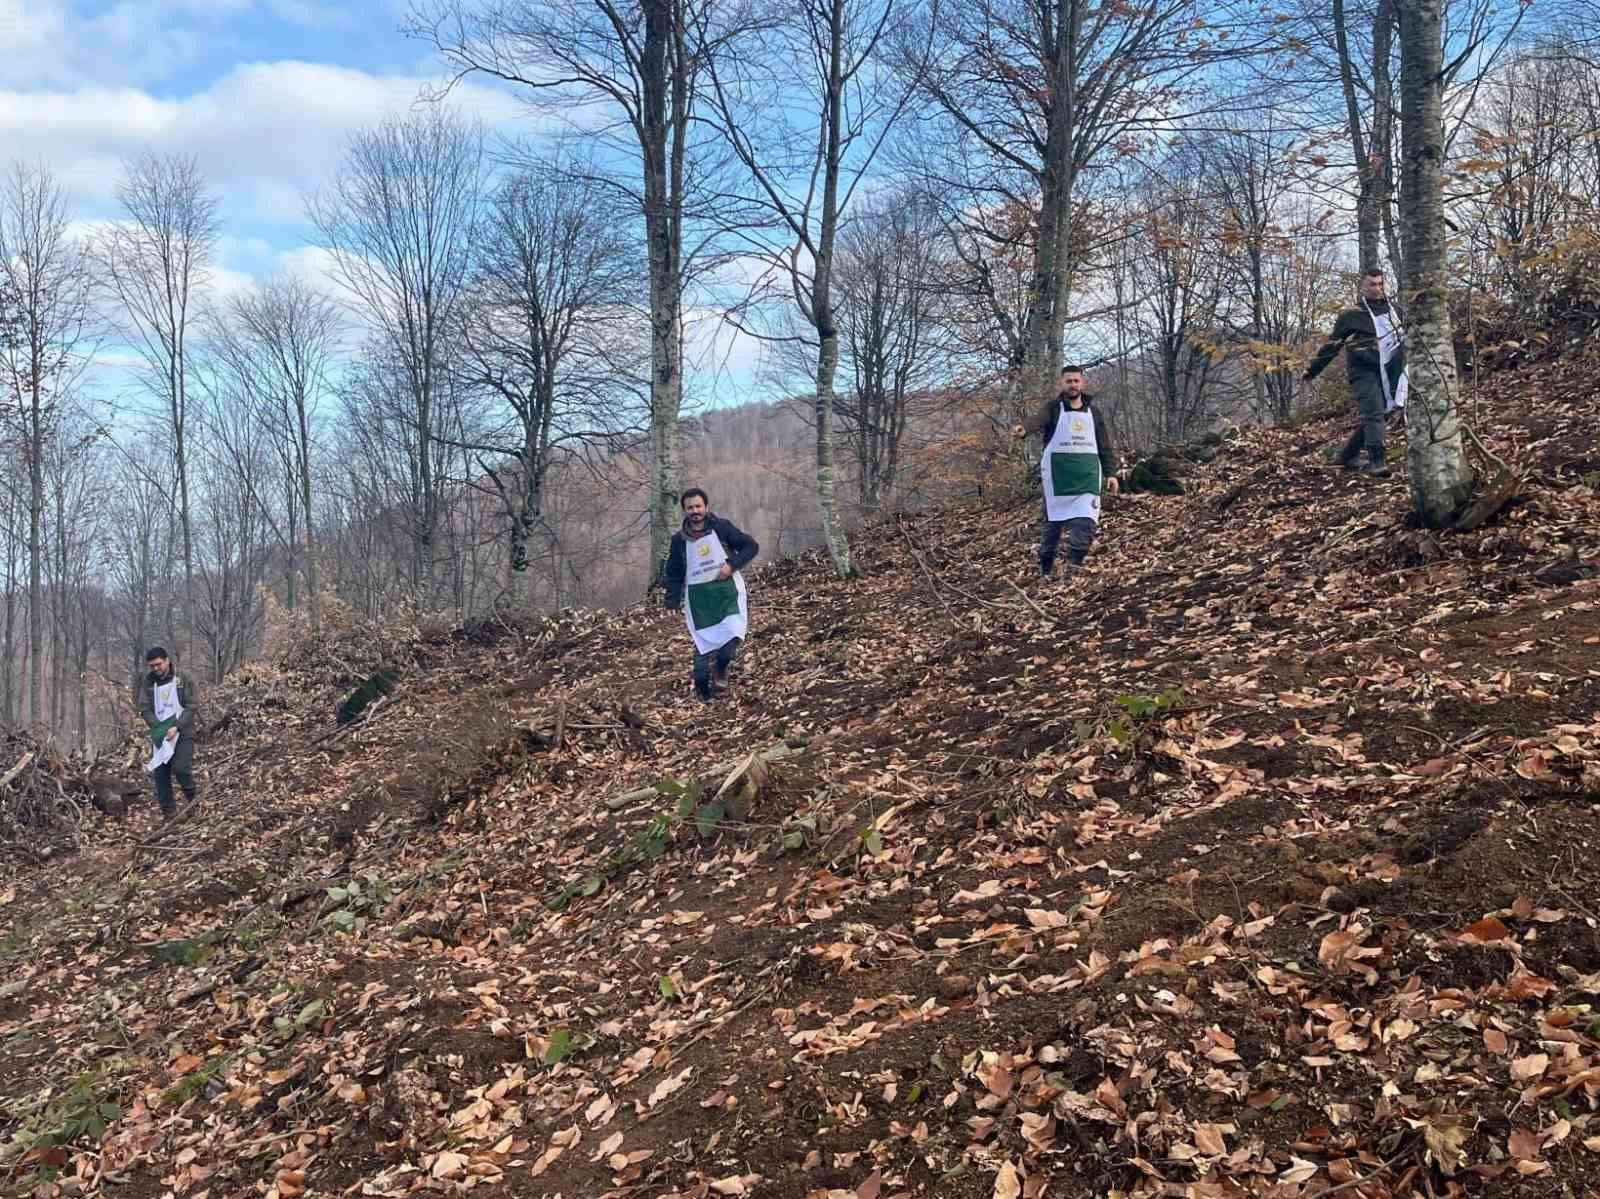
column 158, row 259
column 1025, row 95
column 397, row 220
column 1441, row 479
column 275, row 348
column 548, row 336
column 598, row 60
column 806, row 106
column 891, row 271
column 42, row 353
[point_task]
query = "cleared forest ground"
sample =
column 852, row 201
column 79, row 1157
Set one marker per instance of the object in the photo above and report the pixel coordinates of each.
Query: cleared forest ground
column 1261, row 859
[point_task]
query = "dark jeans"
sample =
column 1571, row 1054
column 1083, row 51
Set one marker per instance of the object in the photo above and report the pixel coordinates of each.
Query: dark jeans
column 721, row 658
column 1080, row 535
column 1368, row 432
column 181, row 767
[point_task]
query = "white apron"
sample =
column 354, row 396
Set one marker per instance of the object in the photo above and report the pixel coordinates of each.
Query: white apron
column 716, row 610
column 1391, row 336
column 164, row 698
column 1070, row 467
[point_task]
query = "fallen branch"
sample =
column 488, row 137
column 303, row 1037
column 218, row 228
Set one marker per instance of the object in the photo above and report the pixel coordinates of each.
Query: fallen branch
column 725, row 771
column 1507, row 483
column 926, row 573
column 1029, row 600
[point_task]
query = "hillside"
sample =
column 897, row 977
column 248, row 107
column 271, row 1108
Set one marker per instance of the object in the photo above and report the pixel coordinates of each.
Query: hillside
column 1260, row 860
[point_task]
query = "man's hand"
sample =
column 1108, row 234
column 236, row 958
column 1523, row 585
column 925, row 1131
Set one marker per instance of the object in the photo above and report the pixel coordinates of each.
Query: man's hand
column 726, row 572
column 1019, row 431
column 1112, row 486
column 172, row 734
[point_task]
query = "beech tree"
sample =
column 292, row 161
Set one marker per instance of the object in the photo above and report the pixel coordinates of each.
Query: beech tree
column 46, row 280
column 1441, row 478
column 158, row 259
column 546, row 337
column 642, row 61
column 397, row 220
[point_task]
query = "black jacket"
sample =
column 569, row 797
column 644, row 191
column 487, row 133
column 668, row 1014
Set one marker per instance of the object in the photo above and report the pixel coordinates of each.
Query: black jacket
column 1355, row 334
column 742, row 550
column 144, row 699
column 1044, row 424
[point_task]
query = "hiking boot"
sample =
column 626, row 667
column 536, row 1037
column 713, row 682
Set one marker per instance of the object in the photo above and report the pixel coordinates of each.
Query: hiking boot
column 1378, row 470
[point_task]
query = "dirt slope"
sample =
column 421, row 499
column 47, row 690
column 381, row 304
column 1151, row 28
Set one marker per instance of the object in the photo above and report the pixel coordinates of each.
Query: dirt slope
column 1259, row 860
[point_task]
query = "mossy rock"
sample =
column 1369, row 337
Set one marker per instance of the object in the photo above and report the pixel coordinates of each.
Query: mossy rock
column 1152, row 477
column 357, row 702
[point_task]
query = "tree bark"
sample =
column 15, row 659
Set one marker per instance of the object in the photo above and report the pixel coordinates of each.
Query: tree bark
column 1441, row 479
column 1369, row 215
column 664, row 114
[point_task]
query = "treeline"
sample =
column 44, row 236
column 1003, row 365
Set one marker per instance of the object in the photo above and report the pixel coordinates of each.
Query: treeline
column 512, row 356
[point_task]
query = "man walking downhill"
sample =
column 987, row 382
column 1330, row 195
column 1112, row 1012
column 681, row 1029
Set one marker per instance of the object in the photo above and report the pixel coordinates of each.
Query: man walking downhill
column 1373, row 341
column 168, row 704
column 1077, row 463
column 703, row 568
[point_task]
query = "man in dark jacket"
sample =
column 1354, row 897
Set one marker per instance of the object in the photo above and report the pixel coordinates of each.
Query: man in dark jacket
column 703, row 568
column 1077, row 462
column 1373, row 341
column 168, row 703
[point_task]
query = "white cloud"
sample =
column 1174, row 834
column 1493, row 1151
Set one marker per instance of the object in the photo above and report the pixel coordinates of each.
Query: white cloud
column 264, row 133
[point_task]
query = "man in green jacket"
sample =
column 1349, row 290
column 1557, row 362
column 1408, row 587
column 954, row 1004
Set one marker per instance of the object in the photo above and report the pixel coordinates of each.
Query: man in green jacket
column 168, row 702
column 1373, row 341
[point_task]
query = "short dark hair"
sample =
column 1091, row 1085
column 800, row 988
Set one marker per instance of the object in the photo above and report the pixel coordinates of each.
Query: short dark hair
column 154, row 652
column 691, row 493
column 1372, row 272
column 1072, row 369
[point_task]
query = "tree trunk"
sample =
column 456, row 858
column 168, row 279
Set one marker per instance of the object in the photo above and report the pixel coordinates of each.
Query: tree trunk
column 822, row 315
column 35, row 451
column 313, row 581
column 1049, row 287
column 1369, row 213
column 1383, row 30
column 664, row 108
column 1441, row 479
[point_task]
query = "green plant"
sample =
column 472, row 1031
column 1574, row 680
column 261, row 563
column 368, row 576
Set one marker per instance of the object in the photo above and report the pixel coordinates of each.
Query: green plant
column 796, row 833
column 290, row 1027
column 357, row 903
column 191, row 1084
column 1142, row 707
column 652, row 841
column 258, row 932
column 81, row 1111
column 188, row 951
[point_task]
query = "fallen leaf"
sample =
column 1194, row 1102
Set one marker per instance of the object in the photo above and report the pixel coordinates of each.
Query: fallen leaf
column 1532, row 1066
column 1007, row 1183
column 1484, row 931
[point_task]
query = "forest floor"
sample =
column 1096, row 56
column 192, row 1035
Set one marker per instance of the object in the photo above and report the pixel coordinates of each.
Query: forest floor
column 1263, row 858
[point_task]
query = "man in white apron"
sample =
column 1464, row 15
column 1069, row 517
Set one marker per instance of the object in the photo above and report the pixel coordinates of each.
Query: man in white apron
column 702, row 579
column 167, row 702
column 1373, row 340
column 1077, row 463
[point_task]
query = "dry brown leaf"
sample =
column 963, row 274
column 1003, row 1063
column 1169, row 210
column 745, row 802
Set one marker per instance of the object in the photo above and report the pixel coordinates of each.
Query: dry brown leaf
column 1008, row 1183
column 1489, row 929
column 1532, row 1066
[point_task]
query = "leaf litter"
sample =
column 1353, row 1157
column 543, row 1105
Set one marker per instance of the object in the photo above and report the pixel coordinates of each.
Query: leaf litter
column 1258, row 860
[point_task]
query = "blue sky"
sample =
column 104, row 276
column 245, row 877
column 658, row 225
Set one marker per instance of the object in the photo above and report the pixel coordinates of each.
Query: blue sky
column 264, row 93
